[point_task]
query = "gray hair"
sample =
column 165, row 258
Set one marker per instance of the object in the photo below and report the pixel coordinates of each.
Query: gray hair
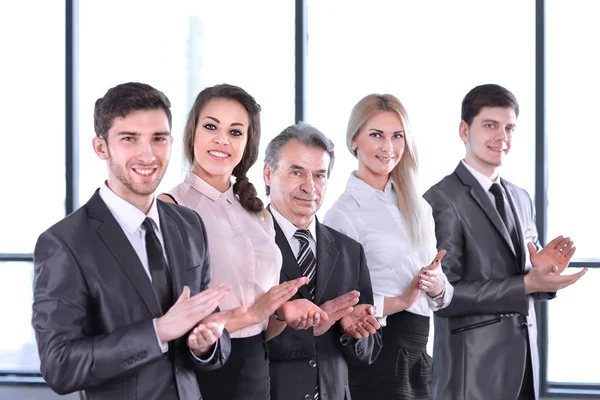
column 306, row 134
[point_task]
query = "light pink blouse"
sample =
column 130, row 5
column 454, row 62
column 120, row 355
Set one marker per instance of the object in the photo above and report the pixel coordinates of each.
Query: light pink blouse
column 242, row 245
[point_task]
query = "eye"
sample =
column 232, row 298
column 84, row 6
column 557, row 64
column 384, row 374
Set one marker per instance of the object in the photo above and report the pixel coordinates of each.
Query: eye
column 235, row 132
column 398, row 135
column 321, row 176
column 375, row 135
column 210, row 127
column 128, row 138
column 161, row 139
column 296, row 172
column 490, row 125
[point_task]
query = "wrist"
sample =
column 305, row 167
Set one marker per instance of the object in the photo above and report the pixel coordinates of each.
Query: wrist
column 527, row 284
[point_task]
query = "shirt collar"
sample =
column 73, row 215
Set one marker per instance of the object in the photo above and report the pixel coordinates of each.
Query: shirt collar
column 362, row 192
column 289, row 229
column 128, row 216
column 485, row 182
column 207, row 190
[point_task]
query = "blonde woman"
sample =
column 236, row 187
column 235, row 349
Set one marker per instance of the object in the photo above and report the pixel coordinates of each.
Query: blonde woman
column 382, row 210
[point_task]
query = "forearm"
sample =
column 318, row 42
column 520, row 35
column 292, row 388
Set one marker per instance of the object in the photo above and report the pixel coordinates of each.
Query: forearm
column 393, row 305
column 274, row 328
column 243, row 321
column 487, row 297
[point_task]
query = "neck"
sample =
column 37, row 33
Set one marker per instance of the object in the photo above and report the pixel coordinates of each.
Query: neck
column 488, row 170
column 375, row 180
column 219, row 182
column 300, row 222
column 141, row 202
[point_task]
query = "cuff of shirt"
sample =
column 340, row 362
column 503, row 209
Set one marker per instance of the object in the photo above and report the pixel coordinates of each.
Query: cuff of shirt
column 164, row 346
column 208, row 359
column 378, row 303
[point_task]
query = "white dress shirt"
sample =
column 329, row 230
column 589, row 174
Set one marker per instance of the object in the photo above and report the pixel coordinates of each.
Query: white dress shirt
column 372, row 217
column 289, row 229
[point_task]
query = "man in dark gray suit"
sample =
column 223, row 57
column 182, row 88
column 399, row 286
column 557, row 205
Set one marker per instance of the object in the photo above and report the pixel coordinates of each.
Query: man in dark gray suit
column 121, row 307
column 485, row 344
column 313, row 363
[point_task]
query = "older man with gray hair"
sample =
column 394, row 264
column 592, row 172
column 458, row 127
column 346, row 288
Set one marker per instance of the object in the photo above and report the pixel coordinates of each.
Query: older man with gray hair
column 312, row 363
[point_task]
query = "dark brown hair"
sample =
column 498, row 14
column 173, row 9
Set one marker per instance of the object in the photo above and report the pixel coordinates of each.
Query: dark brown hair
column 243, row 188
column 124, row 99
column 489, row 95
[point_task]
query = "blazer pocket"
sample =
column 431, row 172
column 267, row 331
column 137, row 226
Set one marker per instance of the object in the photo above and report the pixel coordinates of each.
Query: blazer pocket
column 475, row 325
column 192, row 267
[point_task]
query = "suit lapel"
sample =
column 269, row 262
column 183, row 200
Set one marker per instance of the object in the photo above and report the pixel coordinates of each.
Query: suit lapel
column 512, row 195
column 174, row 249
column 327, row 255
column 481, row 198
column 117, row 243
column 290, row 266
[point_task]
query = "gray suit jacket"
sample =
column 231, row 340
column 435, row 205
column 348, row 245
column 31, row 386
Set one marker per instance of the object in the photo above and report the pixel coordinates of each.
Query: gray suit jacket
column 94, row 304
column 481, row 337
column 297, row 357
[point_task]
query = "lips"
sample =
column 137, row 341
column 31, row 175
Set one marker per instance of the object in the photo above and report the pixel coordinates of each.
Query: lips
column 219, row 154
column 385, row 159
column 145, row 171
column 497, row 149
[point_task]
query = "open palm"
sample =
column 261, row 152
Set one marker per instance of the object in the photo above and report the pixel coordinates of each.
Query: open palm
column 558, row 252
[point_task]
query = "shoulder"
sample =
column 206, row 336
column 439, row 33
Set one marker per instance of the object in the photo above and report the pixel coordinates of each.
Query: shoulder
column 182, row 216
column 448, row 189
column 340, row 238
column 517, row 189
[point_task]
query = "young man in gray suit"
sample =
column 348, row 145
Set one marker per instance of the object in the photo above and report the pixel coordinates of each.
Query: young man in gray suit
column 485, row 344
column 121, row 307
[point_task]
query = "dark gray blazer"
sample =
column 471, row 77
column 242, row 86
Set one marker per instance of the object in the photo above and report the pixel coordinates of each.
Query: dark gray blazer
column 297, row 357
column 94, row 304
column 479, row 341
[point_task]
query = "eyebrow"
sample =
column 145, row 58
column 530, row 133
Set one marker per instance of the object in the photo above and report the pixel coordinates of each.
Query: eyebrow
column 380, row 131
column 295, row 166
column 128, row 133
column 218, row 122
column 485, row 121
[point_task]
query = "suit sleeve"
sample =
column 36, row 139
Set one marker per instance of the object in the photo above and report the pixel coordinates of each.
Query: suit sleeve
column 475, row 297
column 71, row 358
column 223, row 346
column 364, row 350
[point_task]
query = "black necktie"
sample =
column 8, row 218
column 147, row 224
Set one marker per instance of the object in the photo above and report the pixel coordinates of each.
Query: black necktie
column 308, row 266
column 159, row 271
column 496, row 190
column 306, row 259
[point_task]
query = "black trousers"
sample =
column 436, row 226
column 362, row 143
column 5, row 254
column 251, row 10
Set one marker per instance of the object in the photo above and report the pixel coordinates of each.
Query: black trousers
column 245, row 375
column 527, row 391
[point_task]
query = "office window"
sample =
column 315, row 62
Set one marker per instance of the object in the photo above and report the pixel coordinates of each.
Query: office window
column 181, row 48
column 572, row 64
column 429, row 61
column 32, row 160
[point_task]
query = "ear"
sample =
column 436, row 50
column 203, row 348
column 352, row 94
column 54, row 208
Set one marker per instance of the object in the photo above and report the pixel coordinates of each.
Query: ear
column 267, row 174
column 463, row 131
column 100, row 147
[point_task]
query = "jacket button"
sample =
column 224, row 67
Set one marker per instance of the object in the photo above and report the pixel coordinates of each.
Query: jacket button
column 307, row 397
column 312, row 363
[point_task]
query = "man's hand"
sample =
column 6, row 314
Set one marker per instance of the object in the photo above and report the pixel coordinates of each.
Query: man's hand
column 188, row 311
column 546, row 278
column 361, row 322
column 558, row 252
column 266, row 305
column 301, row 314
column 336, row 309
column 210, row 329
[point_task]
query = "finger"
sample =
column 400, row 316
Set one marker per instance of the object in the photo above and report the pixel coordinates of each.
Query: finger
column 342, row 313
column 532, row 249
column 438, row 258
column 555, row 242
column 185, row 294
column 373, row 322
column 570, row 253
column 368, row 327
column 317, row 319
column 362, row 331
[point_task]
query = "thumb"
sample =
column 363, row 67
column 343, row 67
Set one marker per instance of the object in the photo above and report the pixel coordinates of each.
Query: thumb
column 548, row 269
column 185, row 294
column 532, row 249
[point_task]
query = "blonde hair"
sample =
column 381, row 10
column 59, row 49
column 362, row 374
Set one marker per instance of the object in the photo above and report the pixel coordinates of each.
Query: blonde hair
column 404, row 174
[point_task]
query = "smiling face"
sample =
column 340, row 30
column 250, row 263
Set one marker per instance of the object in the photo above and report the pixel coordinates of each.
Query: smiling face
column 297, row 185
column 219, row 141
column 488, row 139
column 137, row 153
column 380, row 144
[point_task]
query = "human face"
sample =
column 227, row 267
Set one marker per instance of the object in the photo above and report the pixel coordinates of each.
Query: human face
column 137, row 154
column 488, row 139
column 219, row 141
column 380, row 144
column 298, row 183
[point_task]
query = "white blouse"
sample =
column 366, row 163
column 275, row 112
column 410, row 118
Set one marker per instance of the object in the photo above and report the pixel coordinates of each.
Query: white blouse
column 372, row 217
column 242, row 247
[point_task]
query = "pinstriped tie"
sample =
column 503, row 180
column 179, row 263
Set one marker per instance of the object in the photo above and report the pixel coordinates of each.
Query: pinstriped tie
column 306, row 259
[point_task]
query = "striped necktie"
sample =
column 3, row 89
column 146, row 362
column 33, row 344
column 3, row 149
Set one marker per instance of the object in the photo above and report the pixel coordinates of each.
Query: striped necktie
column 306, row 259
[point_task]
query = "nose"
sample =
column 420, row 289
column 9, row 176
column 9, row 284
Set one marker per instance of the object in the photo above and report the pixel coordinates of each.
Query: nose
column 386, row 144
column 221, row 137
column 308, row 184
column 501, row 134
column 146, row 151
